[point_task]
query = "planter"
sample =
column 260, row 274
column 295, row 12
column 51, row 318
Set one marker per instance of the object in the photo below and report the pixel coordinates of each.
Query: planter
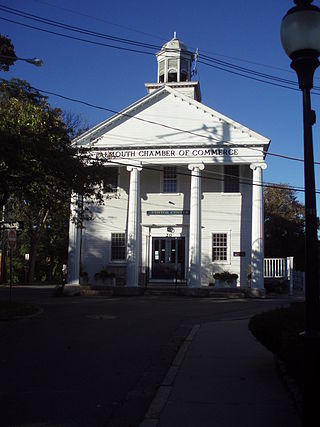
column 225, row 279
column 108, row 281
column 222, row 284
column 83, row 280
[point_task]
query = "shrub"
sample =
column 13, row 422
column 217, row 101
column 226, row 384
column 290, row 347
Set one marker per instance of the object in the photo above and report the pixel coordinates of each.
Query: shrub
column 104, row 274
column 279, row 331
column 226, row 276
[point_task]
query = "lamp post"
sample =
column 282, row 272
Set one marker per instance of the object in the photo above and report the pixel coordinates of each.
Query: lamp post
column 33, row 61
column 300, row 37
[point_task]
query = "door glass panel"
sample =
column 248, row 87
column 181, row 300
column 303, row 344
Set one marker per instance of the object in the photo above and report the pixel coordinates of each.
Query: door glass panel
column 168, row 258
column 173, row 251
column 156, row 251
column 163, row 251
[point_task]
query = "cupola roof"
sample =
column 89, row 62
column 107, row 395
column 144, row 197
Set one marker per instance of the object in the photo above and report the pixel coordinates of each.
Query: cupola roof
column 175, row 43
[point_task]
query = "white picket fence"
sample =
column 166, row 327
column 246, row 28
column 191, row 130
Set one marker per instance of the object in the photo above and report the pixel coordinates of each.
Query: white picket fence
column 282, row 268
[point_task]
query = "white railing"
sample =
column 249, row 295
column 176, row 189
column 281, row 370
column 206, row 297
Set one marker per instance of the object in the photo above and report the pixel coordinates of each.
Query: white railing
column 279, row 268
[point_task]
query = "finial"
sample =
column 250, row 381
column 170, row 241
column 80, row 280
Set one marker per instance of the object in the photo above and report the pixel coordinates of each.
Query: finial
column 174, row 35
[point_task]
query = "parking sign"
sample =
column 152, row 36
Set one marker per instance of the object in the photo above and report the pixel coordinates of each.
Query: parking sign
column 12, row 239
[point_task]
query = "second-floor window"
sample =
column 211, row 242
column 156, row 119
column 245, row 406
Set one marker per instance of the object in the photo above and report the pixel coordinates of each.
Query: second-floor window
column 231, row 178
column 110, row 183
column 169, row 179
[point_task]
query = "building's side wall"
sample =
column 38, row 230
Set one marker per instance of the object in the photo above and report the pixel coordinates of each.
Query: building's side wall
column 96, row 236
column 221, row 213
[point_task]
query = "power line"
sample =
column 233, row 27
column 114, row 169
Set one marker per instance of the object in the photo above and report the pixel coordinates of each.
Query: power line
column 207, row 60
column 247, row 70
column 163, row 39
column 283, row 156
column 115, row 112
column 251, row 78
column 243, row 180
column 100, row 19
column 76, row 38
column 74, row 28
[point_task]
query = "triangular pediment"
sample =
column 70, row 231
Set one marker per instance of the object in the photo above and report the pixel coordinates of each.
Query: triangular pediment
column 167, row 118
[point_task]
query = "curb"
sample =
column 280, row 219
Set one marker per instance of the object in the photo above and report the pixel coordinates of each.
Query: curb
column 22, row 316
column 152, row 416
column 290, row 385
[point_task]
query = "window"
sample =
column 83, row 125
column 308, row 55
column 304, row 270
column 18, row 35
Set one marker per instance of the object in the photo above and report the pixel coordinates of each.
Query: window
column 110, row 182
column 231, row 179
column 183, row 70
column 170, row 179
column 172, row 70
column 219, row 247
column 161, row 71
column 118, row 246
column 172, row 76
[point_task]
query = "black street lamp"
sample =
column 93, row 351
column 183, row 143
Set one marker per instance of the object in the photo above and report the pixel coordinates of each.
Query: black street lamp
column 300, row 37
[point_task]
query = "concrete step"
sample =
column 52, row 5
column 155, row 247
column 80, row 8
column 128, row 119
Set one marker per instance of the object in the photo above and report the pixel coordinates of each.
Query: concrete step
column 165, row 289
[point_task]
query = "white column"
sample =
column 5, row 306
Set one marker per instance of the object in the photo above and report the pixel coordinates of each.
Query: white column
column 257, row 250
column 74, row 248
column 133, row 229
column 194, row 270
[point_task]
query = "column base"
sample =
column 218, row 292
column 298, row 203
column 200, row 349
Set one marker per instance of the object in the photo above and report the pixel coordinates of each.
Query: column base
column 71, row 289
column 131, row 285
column 194, row 285
column 255, row 292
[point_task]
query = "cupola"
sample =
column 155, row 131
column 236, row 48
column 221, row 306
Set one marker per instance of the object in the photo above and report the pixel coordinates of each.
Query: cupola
column 174, row 62
column 175, row 69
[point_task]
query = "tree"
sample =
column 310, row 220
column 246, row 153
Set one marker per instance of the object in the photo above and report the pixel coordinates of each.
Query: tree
column 39, row 165
column 7, row 53
column 284, row 224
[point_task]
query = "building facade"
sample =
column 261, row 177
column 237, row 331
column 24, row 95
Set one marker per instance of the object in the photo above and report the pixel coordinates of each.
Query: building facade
column 184, row 195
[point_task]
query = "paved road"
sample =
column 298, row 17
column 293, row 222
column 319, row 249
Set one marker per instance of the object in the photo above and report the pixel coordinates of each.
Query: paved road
column 97, row 361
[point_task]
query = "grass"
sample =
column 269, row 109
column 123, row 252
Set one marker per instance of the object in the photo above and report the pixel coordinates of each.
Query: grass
column 14, row 310
column 280, row 331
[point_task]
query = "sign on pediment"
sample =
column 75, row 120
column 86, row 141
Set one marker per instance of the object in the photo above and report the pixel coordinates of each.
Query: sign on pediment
column 184, row 153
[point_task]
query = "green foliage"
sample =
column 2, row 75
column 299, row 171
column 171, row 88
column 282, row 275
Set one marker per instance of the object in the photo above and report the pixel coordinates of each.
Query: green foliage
column 226, row 276
column 104, row 274
column 7, row 53
column 283, row 225
column 39, row 168
column 249, row 273
column 279, row 330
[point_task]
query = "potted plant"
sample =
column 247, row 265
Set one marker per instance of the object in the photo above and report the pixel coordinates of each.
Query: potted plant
column 105, row 277
column 225, row 279
column 84, row 277
column 249, row 275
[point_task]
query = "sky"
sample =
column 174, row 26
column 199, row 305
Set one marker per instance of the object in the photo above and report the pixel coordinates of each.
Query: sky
column 243, row 33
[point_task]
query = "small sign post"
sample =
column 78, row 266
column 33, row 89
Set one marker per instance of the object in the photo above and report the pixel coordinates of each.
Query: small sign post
column 12, row 242
column 12, row 239
column 11, row 225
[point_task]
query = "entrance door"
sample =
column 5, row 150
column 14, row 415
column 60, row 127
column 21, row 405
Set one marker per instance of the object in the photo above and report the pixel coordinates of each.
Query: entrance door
column 168, row 258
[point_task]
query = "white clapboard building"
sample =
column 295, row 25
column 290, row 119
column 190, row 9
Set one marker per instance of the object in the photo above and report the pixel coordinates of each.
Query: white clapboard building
column 184, row 199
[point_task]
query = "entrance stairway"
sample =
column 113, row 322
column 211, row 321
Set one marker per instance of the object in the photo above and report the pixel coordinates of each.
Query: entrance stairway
column 165, row 289
column 183, row 290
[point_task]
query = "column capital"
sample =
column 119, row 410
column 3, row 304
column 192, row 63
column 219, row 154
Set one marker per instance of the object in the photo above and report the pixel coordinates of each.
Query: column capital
column 133, row 166
column 257, row 165
column 193, row 166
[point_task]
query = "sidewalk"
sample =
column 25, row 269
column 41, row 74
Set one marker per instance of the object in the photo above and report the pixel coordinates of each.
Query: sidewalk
column 222, row 377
